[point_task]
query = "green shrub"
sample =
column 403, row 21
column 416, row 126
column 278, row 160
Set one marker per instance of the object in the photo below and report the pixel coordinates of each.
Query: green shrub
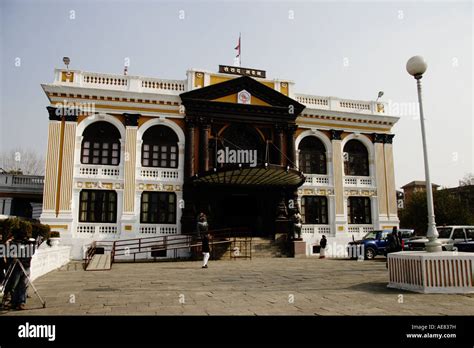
column 40, row 230
column 54, row 234
column 22, row 229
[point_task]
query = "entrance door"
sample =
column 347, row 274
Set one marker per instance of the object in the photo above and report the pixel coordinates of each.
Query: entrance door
column 251, row 209
column 240, row 210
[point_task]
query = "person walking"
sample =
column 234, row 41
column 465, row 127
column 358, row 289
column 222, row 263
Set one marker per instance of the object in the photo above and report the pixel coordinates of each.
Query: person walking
column 322, row 244
column 203, row 230
column 205, row 249
column 393, row 243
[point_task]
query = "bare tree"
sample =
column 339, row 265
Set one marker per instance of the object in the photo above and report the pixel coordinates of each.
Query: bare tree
column 467, row 180
column 22, row 161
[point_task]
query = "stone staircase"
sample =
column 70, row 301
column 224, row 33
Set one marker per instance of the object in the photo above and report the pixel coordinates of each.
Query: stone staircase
column 264, row 248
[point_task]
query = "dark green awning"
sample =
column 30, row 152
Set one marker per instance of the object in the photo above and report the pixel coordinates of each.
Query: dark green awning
column 261, row 175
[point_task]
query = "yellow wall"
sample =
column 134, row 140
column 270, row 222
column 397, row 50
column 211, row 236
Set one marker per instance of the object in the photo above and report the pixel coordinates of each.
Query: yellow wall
column 233, row 99
column 67, row 166
column 129, row 160
column 338, row 175
column 390, row 170
column 380, row 178
column 51, row 172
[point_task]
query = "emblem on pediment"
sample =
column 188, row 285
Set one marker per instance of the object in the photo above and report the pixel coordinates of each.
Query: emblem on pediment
column 243, row 97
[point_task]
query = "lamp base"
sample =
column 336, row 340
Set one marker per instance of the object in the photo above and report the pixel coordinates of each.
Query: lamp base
column 433, row 246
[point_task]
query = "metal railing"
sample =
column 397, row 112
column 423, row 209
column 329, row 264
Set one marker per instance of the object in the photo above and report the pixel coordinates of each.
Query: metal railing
column 240, row 238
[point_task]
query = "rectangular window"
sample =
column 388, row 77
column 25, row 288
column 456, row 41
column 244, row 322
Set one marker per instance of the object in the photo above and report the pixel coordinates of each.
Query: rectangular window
column 100, row 152
column 314, row 210
column 98, row 206
column 158, row 208
column 164, row 156
column 359, row 210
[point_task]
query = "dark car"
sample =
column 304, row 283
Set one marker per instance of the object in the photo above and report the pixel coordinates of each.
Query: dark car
column 374, row 243
column 468, row 244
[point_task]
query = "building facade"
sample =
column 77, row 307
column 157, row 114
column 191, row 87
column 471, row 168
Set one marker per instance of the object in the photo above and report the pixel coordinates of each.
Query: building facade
column 132, row 156
column 21, row 195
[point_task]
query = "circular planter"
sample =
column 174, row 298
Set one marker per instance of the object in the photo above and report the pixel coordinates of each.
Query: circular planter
column 54, row 241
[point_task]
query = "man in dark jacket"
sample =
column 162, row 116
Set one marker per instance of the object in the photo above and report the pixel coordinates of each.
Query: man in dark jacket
column 322, row 244
column 205, row 249
column 393, row 243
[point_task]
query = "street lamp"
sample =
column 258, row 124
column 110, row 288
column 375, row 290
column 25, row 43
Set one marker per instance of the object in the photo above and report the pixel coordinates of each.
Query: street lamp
column 416, row 66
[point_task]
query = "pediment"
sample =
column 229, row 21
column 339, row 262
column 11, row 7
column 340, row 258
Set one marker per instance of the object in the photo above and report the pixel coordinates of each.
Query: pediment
column 228, row 92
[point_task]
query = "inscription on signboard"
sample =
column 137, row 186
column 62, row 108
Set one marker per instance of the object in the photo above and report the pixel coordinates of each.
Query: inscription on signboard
column 237, row 70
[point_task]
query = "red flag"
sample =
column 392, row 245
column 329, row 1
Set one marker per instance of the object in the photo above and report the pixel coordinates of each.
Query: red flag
column 238, row 48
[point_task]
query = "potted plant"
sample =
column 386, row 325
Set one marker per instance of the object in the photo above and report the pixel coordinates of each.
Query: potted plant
column 54, row 237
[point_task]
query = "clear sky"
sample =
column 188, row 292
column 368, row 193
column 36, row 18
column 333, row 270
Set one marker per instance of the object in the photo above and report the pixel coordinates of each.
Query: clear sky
column 348, row 49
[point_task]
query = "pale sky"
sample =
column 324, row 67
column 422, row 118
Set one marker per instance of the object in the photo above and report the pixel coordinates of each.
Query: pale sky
column 347, row 49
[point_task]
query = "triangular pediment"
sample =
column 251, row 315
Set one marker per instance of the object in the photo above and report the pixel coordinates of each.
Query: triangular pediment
column 234, row 98
column 228, row 92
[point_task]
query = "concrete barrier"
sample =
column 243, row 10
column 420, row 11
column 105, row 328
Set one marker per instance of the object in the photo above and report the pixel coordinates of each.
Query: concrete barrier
column 47, row 259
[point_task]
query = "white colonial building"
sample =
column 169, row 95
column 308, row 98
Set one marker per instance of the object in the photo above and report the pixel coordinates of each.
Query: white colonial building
column 132, row 156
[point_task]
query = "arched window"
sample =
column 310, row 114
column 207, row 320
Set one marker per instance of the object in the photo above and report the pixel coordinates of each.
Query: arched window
column 312, row 158
column 101, row 144
column 160, row 148
column 245, row 139
column 356, row 159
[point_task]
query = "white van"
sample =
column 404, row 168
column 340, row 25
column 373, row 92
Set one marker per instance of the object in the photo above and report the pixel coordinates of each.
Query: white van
column 448, row 235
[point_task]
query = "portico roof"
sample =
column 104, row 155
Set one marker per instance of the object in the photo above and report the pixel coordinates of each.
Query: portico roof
column 244, row 175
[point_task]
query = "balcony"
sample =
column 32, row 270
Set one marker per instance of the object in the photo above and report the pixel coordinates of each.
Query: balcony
column 98, row 172
column 316, row 180
column 316, row 229
column 360, row 229
column 154, row 229
column 21, row 183
column 160, row 174
column 118, row 82
column 97, row 230
column 359, row 181
column 344, row 105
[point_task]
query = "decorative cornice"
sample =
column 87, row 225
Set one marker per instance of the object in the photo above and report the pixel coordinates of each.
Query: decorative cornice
column 382, row 138
column 58, row 114
column 389, row 138
column 131, row 119
column 335, row 134
column 378, row 138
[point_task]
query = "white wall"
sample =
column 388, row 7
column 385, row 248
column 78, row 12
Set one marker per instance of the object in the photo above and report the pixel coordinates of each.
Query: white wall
column 47, row 259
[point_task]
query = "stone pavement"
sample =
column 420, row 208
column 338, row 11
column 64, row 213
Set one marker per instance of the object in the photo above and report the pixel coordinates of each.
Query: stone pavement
column 276, row 286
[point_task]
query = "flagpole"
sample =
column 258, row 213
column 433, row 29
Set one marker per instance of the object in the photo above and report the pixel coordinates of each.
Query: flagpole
column 240, row 49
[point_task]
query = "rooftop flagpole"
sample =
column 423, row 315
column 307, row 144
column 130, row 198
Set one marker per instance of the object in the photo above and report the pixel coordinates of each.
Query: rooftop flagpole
column 239, row 51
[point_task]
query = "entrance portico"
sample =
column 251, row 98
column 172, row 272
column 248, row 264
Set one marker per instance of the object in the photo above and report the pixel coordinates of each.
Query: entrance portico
column 241, row 161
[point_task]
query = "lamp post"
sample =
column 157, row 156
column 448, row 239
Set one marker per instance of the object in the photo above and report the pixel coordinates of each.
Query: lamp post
column 416, row 66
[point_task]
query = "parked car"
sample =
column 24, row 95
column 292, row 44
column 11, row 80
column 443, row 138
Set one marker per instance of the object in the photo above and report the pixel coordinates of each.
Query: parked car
column 447, row 235
column 374, row 243
column 468, row 244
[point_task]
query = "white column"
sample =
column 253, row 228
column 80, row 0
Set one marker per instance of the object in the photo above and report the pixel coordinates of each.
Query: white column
column 375, row 212
column 6, row 205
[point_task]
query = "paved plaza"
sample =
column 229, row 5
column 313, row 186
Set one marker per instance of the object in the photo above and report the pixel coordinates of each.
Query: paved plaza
column 277, row 286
